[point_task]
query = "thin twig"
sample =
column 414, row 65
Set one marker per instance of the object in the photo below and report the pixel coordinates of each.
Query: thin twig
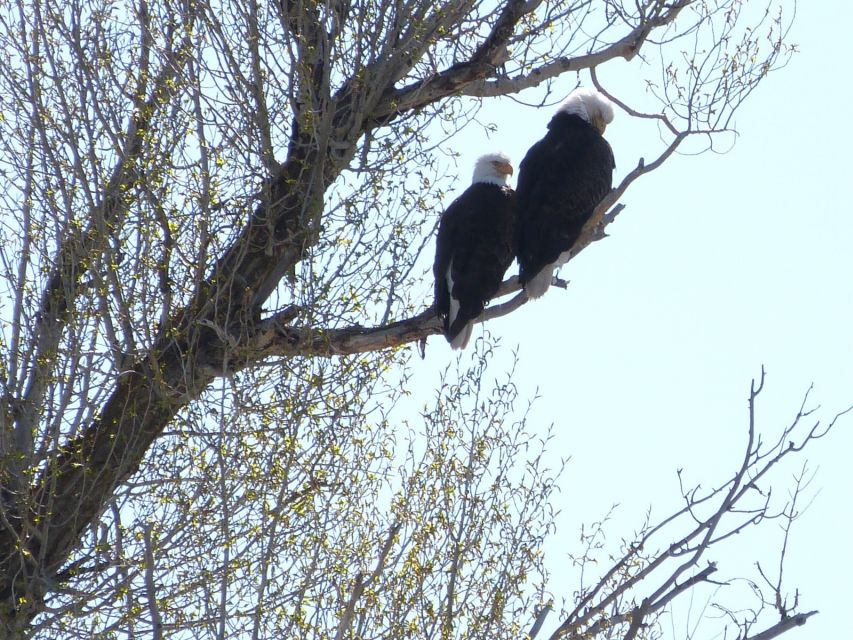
column 150, row 587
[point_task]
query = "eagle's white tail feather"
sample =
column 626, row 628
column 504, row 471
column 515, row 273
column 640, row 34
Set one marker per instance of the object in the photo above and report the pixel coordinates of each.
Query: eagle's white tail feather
column 461, row 340
column 453, row 311
column 538, row 284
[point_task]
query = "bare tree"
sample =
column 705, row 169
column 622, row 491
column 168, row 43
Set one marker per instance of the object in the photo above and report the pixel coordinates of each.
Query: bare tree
column 663, row 560
column 211, row 228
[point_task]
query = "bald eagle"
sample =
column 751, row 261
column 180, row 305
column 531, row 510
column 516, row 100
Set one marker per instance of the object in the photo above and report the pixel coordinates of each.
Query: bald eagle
column 561, row 180
column 474, row 247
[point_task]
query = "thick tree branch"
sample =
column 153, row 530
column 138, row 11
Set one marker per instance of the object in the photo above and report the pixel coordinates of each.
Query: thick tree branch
column 784, row 625
column 273, row 339
column 483, row 63
column 475, row 78
column 543, row 612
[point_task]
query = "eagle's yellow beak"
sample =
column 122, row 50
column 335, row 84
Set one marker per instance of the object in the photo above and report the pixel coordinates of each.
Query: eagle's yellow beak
column 504, row 167
column 599, row 123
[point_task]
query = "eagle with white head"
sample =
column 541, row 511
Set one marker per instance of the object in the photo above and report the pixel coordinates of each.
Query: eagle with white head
column 561, row 181
column 474, row 247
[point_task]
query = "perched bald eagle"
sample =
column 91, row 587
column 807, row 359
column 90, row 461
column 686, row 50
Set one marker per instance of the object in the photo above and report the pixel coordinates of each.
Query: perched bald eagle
column 474, row 247
column 561, row 180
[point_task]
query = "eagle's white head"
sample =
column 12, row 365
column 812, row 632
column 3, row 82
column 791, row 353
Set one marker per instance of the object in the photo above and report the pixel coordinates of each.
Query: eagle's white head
column 495, row 168
column 590, row 105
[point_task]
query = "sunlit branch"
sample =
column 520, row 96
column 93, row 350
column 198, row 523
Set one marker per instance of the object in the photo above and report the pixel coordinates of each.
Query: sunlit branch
column 151, row 587
column 543, row 612
column 628, row 109
column 783, row 626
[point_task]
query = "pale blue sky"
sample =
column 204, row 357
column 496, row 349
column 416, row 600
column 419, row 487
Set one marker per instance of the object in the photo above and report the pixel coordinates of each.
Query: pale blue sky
column 719, row 264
